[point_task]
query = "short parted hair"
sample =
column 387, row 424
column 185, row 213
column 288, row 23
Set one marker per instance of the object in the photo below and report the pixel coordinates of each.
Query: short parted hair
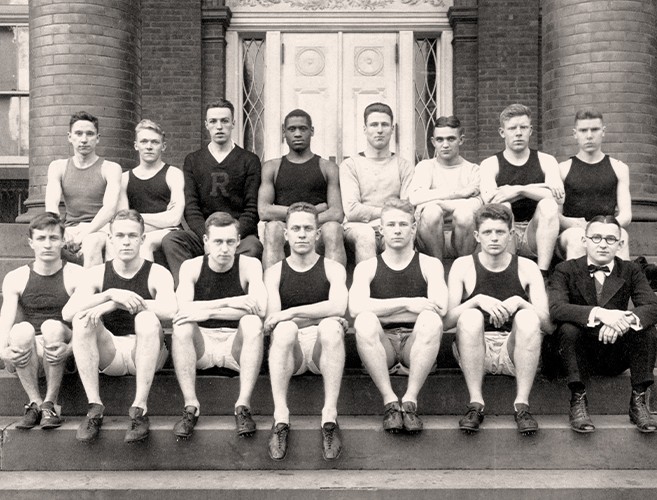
column 302, row 206
column 494, row 211
column 377, row 107
column 128, row 214
column 83, row 116
column 147, row 124
column 604, row 219
column 221, row 103
column 397, row 204
column 45, row 220
column 514, row 110
column 221, row 219
column 298, row 113
column 449, row 121
column 588, row 114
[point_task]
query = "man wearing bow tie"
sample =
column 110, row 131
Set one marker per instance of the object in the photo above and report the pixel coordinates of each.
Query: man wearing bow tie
column 598, row 334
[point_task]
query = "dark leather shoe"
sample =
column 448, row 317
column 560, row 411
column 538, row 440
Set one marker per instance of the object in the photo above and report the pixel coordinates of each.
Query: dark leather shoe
column 392, row 418
column 331, row 441
column 139, row 426
column 640, row 414
column 244, row 423
column 525, row 421
column 473, row 417
column 31, row 417
column 278, row 441
column 90, row 426
column 184, row 428
column 580, row 420
column 412, row 422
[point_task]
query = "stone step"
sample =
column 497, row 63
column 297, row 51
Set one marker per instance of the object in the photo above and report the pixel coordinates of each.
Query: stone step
column 215, row 446
column 444, row 393
column 334, row 485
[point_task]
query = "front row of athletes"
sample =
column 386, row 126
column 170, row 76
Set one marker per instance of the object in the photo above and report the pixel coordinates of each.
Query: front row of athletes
column 496, row 301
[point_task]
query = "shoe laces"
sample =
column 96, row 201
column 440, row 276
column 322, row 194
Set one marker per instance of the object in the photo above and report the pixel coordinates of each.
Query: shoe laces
column 392, row 409
column 472, row 413
column 641, row 406
column 93, row 422
column 188, row 416
column 281, row 433
column 48, row 413
column 329, row 432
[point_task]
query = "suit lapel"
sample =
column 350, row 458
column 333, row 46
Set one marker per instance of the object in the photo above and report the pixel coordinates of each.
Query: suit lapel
column 585, row 282
column 612, row 284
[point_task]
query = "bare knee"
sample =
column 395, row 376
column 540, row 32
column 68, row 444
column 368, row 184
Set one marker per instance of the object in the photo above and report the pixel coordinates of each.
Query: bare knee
column 547, row 209
column 463, row 219
column 183, row 333
column 527, row 328
column 431, row 216
column 367, row 326
column 94, row 242
column 332, row 234
column 250, row 326
column 470, row 326
column 331, row 334
column 22, row 335
column 285, row 335
column 147, row 324
column 53, row 331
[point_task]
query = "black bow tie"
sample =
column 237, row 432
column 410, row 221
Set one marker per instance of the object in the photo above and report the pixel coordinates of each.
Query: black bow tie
column 594, row 269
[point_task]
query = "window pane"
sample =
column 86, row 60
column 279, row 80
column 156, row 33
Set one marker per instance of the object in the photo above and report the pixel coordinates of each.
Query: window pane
column 253, row 94
column 13, row 58
column 14, row 119
column 426, row 94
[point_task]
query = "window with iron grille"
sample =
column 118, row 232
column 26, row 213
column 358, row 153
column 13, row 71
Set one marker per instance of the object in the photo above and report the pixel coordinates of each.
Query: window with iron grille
column 425, row 97
column 253, row 95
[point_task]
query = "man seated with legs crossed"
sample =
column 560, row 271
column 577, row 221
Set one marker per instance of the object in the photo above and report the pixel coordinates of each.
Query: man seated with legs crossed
column 598, row 334
column 222, row 299
column 34, row 339
column 498, row 304
column 398, row 299
column 116, row 316
column 307, row 299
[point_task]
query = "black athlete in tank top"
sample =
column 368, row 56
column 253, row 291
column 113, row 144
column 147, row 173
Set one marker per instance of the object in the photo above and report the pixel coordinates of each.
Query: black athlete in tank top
column 521, row 175
column 149, row 196
column 302, row 288
column 590, row 189
column 43, row 298
column 300, row 182
column 212, row 285
column 498, row 284
column 119, row 321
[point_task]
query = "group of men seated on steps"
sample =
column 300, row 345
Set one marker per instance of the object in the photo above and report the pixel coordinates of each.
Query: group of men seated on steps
column 110, row 317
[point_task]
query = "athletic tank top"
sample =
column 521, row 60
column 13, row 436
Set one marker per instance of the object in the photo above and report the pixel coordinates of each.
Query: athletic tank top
column 149, row 196
column 590, row 189
column 498, row 284
column 389, row 283
column 303, row 288
column 212, row 285
column 119, row 321
column 43, row 298
column 83, row 191
column 300, row 182
column 521, row 175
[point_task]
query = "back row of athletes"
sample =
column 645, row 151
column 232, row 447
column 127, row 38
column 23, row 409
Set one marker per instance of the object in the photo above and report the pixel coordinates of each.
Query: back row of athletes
column 399, row 300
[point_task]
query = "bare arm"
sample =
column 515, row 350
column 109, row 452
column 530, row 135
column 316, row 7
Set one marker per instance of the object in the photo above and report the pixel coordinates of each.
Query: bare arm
column 623, row 198
column 12, row 285
column 123, row 203
column 434, row 273
column 488, row 173
column 267, row 193
column 160, row 284
column 333, row 198
column 455, row 292
column 87, row 295
column 54, row 186
column 538, row 301
column 112, row 173
column 172, row 216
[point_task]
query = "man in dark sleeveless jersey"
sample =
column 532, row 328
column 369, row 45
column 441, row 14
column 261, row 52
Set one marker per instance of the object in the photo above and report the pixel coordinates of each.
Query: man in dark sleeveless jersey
column 300, row 175
column 398, row 300
column 498, row 304
column 116, row 318
column 220, row 177
column 34, row 339
column 90, row 186
column 598, row 332
column 222, row 301
column 529, row 181
column 153, row 188
column 307, row 299
column 594, row 184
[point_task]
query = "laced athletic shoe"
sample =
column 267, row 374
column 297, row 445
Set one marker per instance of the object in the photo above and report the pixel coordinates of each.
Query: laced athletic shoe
column 640, row 414
column 184, row 428
column 31, row 417
column 393, row 421
column 473, row 417
column 244, row 423
column 527, row 425
column 331, row 441
column 139, row 425
column 90, row 427
column 49, row 417
column 278, row 441
column 412, row 422
column 580, row 420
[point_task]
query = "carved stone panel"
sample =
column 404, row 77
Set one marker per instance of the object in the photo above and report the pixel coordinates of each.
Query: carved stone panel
column 368, row 60
column 310, row 61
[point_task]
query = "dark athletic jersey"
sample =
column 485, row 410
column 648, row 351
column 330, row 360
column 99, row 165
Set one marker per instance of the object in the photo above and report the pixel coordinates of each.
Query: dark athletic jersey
column 119, row 321
column 149, row 196
column 500, row 285
column 521, row 175
column 212, row 285
column 300, row 182
column 43, row 298
column 390, row 284
column 303, row 288
column 590, row 189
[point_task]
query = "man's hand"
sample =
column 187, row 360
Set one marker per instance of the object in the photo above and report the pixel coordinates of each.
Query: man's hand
column 57, row 353
column 125, row 299
column 244, row 302
column 274, row 319
column 504, row 193
column 190, row 315
column 15, row 356
column 616, row 319
column 512, row 304
column 93, row 316
column 498, row 312
column 416, row 305
column 556, row 189
column 608, row 335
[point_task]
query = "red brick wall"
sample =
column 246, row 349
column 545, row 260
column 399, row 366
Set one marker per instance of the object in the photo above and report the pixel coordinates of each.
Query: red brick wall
column 171, row 69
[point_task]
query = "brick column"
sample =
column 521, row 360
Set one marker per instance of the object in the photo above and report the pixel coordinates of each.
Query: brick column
column 216, row 18
column 463, row 20
column 84, row 55
column 603, row 54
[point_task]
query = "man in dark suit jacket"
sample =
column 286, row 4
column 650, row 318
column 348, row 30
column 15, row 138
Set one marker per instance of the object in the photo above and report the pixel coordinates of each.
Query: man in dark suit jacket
column 589, row 300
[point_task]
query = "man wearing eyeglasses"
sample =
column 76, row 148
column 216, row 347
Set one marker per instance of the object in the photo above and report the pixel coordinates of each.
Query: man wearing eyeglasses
column 446, row 188
column 597, row 332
